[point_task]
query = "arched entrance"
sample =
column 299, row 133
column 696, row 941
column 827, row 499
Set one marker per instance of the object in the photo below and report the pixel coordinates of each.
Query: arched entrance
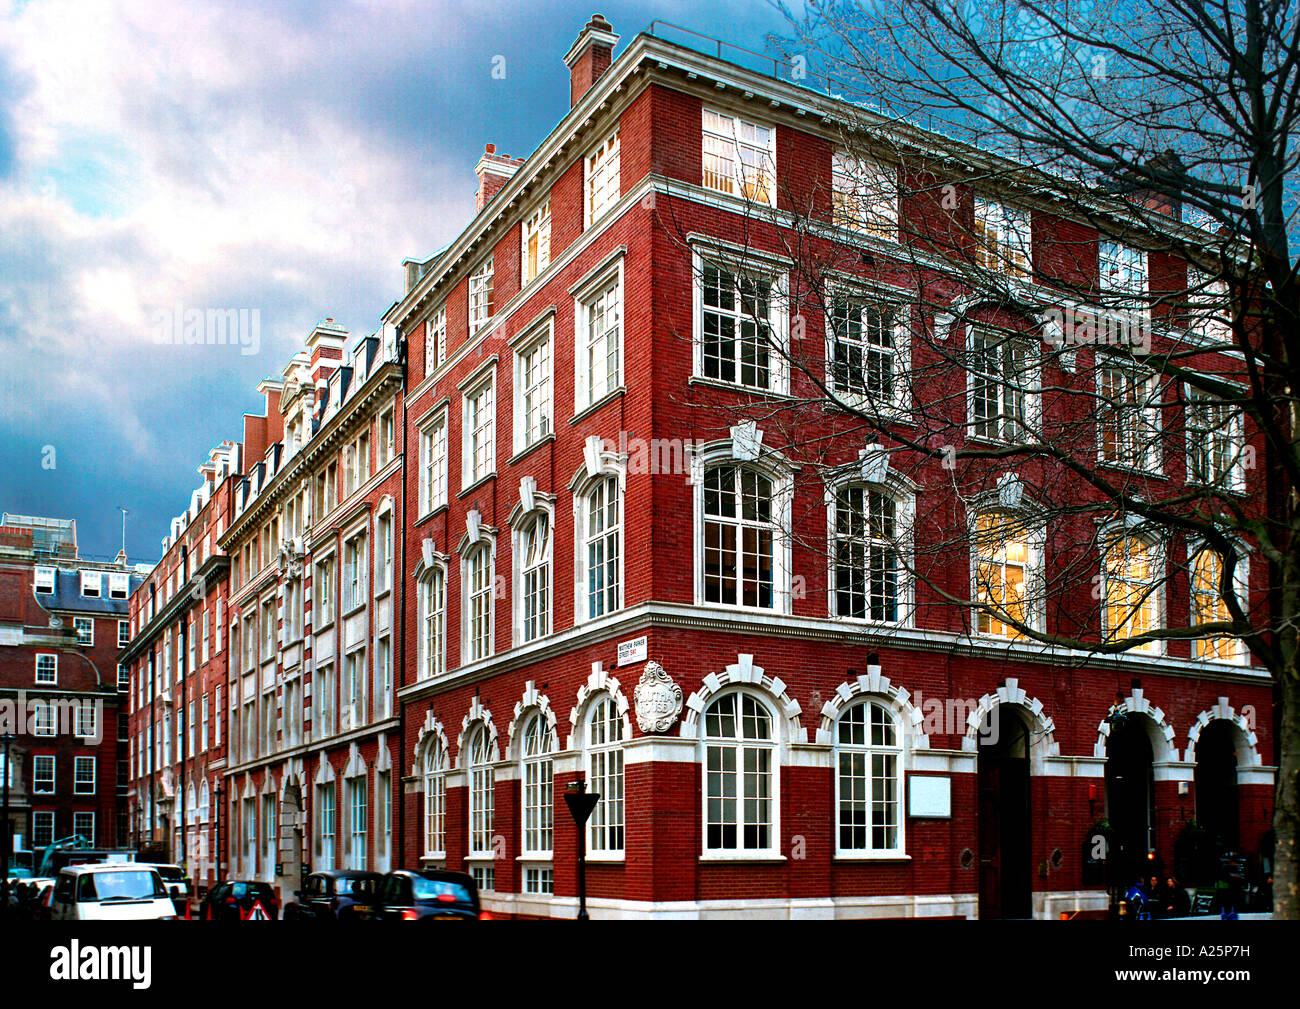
column 1216, row 783
column 1129, row 797
column 290, row 842
column 1004, row 827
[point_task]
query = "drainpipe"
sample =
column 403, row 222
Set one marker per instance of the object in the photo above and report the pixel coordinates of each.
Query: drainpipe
column 399, row 673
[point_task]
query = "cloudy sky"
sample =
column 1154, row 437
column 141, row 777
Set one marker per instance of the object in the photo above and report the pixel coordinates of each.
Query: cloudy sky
column 282, row 157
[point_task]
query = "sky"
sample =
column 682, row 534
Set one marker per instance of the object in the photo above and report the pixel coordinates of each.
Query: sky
column 279, row 158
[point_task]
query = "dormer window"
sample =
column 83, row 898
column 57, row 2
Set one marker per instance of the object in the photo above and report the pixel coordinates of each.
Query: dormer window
column 91, row 584
column 1002, row 238
column 44, row 579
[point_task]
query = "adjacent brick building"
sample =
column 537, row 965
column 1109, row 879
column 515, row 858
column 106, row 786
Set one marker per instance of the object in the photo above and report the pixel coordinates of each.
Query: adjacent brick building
column 63, row 619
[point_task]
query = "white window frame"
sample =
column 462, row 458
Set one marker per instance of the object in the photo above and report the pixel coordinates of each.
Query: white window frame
column 123, row 633
column 1157, row 581
column 432, row 612
column 83, row 823
column 44, row 784
column 782, row 484
column 864, row 195
column 478, row 431
column 742, row 167
column 91, row 579
column 89, row 639
column 358, row 819
column 83, row 776
column 898, row 354
column 435, row 336
column 605, row 289
column 604, row 760
column 433, row 766
column 869, row 751
column 1028, row 386
column 534, row 399
column 1146, row 414
column 42, row 822
column 1207, row 649
column 384, row 551
column 739, row 744
column 355, row 572
column 537, row 748
column 473, row 648
column 1208, row 308
column 904, row 502
column 1035, row 603
column 52, row 678
column 536, row 225
column 481, row 295
column 433, row 461
column 1124, row 274
column 481, row 801
column 1202, row 434
column 44, row 580
column 601, row 182
column 585, row 539
column 742, row 264
column 527, row 562
column 1003, row 239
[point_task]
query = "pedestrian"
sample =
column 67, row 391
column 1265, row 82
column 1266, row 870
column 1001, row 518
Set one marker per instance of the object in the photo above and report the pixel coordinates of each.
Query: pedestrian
column 1173, row 900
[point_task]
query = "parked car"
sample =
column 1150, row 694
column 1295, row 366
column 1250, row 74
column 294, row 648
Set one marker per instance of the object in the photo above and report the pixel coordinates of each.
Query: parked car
column 174, row 878
column 110, row 891
column 337, row 895
column 428, row 895
column 233, row 899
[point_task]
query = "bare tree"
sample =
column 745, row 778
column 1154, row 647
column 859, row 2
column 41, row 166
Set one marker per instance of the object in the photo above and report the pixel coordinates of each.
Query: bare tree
column 1051, row 279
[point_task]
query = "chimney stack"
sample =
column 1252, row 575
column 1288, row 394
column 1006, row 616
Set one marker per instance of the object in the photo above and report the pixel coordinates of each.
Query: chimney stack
column 493, row 171
column 325, row 345
column 589, row 56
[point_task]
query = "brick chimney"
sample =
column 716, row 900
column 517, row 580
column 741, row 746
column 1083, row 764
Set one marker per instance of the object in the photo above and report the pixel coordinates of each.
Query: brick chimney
column 493, row 171
column 589, row 56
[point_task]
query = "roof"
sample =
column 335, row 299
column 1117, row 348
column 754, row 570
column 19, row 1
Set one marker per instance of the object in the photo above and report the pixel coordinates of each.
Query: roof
column 67, row 594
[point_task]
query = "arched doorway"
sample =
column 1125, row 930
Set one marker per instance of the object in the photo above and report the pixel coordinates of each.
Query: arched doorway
column 291, row 839
column 1216, row 784
column 1005, row 887
column 1129, row 798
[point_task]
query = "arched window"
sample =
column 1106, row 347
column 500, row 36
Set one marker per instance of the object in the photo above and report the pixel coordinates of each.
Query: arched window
column 204, row 800
column 482, row 780
column 433, row 623
column 869, row 577
column 1133, row 580
column 740, row 776
column 740, row 535
column 538, row 774
column 1007, row 574
column 1208, row 606
column 601, row 515
column 533, row 547
column 435, row 800
column 604, row 739
column 869, row 780
column 478, row 608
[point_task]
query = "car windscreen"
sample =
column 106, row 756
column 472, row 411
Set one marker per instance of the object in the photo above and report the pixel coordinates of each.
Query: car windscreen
column 128, row 884
column 441, row 890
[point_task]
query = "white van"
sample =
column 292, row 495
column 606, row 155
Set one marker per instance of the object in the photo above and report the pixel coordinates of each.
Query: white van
column 110, row 891
column 173, row 877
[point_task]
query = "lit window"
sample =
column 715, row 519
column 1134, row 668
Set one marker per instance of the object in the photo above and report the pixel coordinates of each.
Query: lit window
column 869, row 781
column 1209, row 607
column 537, row 242
column 1007, row 571
column 739, row 157
column 602, row 182
column 739, row 776
column 864, row 196
column 1132, row 591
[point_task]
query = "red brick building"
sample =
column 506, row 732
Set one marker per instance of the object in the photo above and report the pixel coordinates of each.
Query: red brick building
column 312, row 717
column 177, row 658
column 63, row 619
column 597, row 499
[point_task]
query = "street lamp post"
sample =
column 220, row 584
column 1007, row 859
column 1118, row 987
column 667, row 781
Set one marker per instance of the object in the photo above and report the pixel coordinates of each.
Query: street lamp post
column 580, row 805
column 6, row 740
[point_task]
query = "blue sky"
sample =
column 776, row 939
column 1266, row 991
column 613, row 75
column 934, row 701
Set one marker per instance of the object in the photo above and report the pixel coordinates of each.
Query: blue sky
column 283, row 157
